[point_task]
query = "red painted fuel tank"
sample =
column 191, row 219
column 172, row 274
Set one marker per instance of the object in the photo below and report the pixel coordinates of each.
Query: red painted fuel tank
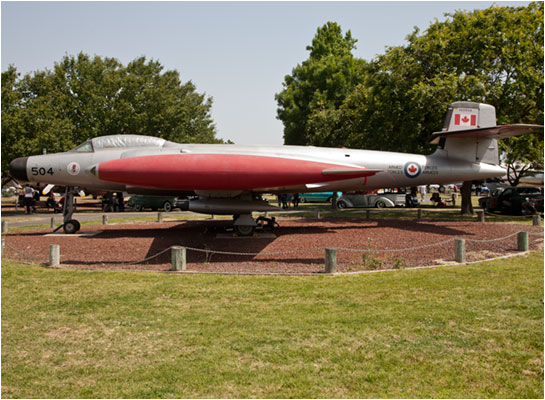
column 222, row 171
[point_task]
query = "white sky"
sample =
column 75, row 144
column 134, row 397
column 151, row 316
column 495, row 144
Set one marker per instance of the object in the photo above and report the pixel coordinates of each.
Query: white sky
column 236, row 52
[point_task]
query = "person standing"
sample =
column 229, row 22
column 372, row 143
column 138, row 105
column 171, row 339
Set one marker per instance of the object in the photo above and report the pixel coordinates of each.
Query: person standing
column 422, row 193
column 28, row 193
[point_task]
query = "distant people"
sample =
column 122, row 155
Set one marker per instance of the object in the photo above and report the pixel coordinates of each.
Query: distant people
column 52, row 203
column 284, row 199
column 295, row 200
column 422, row 193
column 119, row 204
column 530, row 205
column 28, row 194
column 35, row 199
column 437, row 200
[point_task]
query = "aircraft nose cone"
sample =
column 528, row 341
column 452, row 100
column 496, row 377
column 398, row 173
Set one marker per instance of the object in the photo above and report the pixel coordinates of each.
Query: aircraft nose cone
column 17, row 169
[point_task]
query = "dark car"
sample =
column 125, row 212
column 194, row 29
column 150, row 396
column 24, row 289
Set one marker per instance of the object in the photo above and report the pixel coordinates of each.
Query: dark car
column 511, row 200
column 153, row 202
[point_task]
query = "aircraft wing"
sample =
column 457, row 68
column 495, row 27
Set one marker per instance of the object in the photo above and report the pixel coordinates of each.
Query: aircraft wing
column 495, row 132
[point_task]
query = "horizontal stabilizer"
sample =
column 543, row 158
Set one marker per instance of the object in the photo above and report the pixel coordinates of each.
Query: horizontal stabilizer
column 495, row 132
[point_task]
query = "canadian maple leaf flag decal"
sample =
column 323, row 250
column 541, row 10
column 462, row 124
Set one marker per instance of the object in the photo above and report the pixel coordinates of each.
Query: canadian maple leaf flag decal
column 462, row 118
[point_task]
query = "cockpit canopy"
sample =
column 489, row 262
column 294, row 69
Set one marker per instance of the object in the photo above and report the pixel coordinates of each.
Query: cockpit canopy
column 119, row 141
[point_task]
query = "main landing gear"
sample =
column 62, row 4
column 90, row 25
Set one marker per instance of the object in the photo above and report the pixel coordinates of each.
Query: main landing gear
column 69, row 225
column 245, row 225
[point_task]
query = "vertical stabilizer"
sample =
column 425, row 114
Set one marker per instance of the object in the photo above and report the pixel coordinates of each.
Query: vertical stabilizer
column 465, row 115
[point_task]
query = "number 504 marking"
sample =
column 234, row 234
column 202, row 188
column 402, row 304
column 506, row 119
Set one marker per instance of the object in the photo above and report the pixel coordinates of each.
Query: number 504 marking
column 41, row 171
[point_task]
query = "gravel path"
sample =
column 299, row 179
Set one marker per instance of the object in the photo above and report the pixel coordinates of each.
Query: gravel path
column 297, row 248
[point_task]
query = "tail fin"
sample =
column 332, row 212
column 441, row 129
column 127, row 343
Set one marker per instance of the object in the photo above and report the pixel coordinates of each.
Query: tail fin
column 470, row 133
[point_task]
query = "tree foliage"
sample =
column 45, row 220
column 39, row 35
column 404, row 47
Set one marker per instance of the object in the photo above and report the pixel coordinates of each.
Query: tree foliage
column 320, row 83
column 85, row 97
column 395, row 101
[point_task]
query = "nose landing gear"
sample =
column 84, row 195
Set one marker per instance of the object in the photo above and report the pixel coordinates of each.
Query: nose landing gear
column 69, row 225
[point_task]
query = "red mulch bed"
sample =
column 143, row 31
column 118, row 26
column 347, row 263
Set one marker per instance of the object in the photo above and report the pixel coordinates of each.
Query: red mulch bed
column 121, row 246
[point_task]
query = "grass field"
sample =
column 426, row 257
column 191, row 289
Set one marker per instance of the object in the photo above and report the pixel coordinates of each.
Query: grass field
column 465, row 331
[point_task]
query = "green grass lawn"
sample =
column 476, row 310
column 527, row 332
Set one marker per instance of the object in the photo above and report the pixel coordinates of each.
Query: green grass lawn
column 464, row 331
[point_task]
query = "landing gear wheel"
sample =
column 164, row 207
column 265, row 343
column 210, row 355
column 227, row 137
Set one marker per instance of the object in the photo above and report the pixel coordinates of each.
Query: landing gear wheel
column 341, row 204
column 380, row 204
column 244, row 230
column 167, row 206
column 71, row 226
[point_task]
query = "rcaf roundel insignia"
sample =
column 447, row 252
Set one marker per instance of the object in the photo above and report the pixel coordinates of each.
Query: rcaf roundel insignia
column 73, row 168
column 412, row 169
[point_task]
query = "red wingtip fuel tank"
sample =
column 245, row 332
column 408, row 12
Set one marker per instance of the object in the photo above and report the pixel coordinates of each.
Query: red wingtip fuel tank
column 222, row 171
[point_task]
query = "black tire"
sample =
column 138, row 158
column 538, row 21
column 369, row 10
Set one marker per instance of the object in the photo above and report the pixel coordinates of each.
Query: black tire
column 71, row 227
column 138, row 207
column 342, row 204
column 167, row 206
column 244, row 230
column 380, row 204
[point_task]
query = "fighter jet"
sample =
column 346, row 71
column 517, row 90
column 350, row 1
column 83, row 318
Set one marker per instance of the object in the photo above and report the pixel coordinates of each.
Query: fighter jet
column 230, row 179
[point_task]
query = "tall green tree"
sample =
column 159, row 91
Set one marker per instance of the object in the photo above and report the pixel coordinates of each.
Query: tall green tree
column 321, row 82
column 84, row 97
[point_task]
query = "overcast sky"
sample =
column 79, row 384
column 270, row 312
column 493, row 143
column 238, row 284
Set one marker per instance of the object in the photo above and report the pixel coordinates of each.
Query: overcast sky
column 236, row 52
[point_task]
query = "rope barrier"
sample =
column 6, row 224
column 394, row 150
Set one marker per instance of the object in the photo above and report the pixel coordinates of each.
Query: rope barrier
column 212, row 252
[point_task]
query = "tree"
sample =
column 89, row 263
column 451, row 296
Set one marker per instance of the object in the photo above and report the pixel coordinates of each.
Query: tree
column 321, row 82
column 85, row 97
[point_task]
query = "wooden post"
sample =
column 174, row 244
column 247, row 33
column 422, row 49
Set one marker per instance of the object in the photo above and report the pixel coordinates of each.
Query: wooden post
column 480, row 216
column 536, row 220
column 460, row 250
column 330, row 260
column 52, row 222
column 159, row 217
column 367, row 215
column 54, row 255
column 316, row 213
column 178, row 258
column 4, row 226
column 522, row 241
column 419, row 215
column 104, row 220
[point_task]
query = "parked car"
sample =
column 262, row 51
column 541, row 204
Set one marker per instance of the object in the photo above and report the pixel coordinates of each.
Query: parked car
column 154, row 202
column 382, row 200
column 510, row 200
column 318, row 197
